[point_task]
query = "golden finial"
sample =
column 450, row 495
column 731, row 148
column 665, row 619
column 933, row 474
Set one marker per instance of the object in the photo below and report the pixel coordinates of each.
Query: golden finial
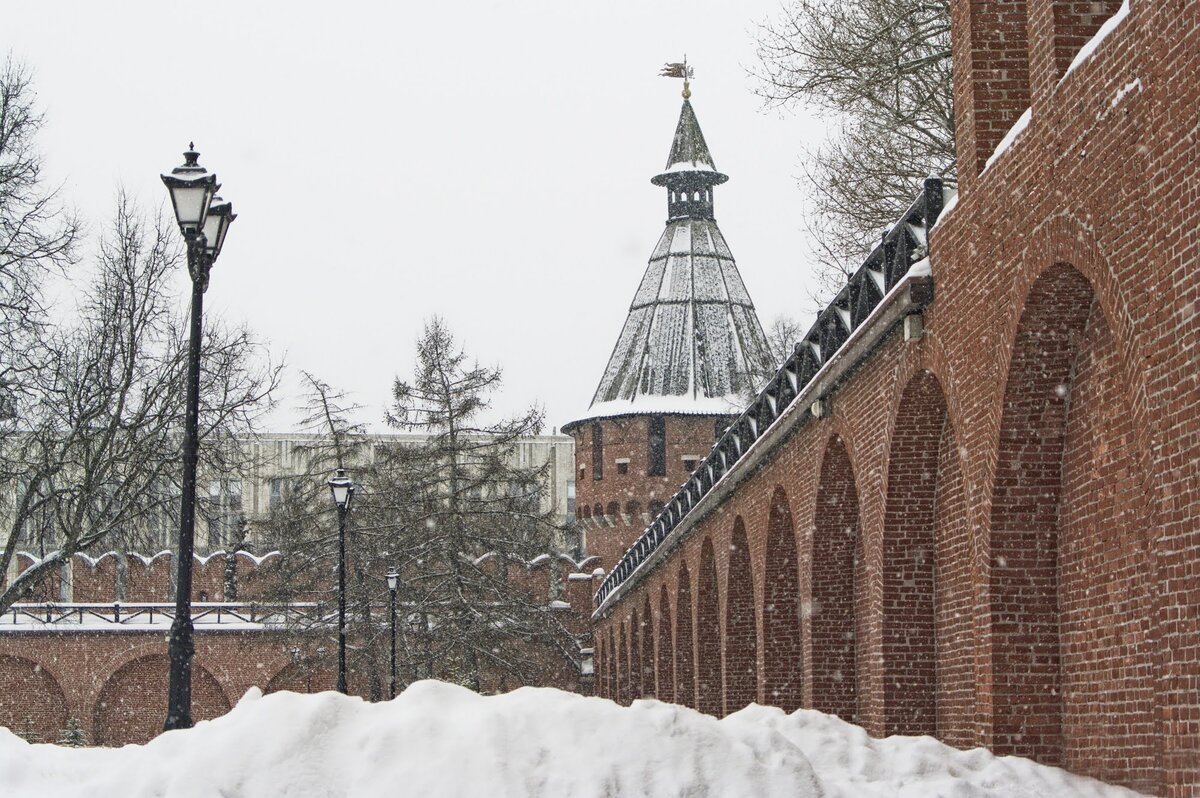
column 679, row 69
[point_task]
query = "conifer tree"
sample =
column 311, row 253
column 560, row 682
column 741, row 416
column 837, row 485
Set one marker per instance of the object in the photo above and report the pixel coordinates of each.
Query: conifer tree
column 469, row 513
column 72, row 736
column 449, row 509
column 27, row 732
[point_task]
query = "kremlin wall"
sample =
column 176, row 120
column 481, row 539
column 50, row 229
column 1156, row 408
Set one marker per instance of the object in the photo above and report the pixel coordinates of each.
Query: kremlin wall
column 967, row 506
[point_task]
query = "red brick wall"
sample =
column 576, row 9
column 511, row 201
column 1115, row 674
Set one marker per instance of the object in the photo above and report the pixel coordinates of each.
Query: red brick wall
column 835, row 560
column 665, row 641
column 1022, row 482
column 114, row 683
column 709, row 644
column 1106, row 578
column 953, row 601
column 910, row 550
column 685, row 640
column 121, row 714
column 646, row 632
column 34, row 701
column 741, row 630
column 783, row 645
column 115, row 680
column 631, row 495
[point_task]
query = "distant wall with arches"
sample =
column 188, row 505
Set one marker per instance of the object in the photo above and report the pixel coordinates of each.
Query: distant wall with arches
column 62, row 662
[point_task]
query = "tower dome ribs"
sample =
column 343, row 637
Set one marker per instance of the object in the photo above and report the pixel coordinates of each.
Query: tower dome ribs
column 692, row 342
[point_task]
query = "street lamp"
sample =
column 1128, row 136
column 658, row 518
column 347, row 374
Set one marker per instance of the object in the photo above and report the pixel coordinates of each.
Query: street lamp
column 343, row 491
column 392, row 579
column 204, row 220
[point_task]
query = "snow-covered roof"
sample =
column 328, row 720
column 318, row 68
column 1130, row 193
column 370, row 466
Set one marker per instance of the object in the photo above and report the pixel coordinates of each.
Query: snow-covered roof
column 688, row 147
column 692, row 342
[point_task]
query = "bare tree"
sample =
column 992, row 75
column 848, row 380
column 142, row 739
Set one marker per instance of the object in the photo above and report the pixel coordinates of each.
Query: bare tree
column 881, row 69
column 92, row 451
column 36, row 235
column 783, row 334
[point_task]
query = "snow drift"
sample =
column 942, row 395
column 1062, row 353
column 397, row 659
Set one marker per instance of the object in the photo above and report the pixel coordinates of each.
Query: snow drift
column 440, row 740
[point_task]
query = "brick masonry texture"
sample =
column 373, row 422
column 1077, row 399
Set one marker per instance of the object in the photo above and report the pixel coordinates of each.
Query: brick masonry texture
column 993, row 537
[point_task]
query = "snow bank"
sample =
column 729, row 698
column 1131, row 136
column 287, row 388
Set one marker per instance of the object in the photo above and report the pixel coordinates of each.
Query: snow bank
column 440, row 740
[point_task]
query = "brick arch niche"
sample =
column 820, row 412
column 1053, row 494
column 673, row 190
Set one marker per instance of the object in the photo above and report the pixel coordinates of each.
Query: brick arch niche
column 1071, row 569
column 665, row 667
column 647, row 649
column 783, row 657
column 924, row 568
column 120, row 714
column 32, row 699
column 708, row 634
column 741, row 629
column 834, row 562
column 610, row 667
column 621, row 695
column 685, row 655
column 635, row 655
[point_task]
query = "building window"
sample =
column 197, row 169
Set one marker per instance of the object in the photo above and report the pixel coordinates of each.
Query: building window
column 689, row 463
column 223, row 512
column 597, row 452
column 276, row 494
column 657, row 461
column 570, row 499
column 623, row 465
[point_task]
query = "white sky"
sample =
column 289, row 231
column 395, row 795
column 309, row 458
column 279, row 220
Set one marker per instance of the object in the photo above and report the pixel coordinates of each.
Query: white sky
column 488, row 162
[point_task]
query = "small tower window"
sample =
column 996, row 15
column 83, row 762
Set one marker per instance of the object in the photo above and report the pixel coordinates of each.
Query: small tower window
column 657, row 460
column 622, row 465
column 597, row 452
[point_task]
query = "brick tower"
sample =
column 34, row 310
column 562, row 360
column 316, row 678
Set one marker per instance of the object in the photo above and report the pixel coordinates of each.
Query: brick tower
column 687, row 358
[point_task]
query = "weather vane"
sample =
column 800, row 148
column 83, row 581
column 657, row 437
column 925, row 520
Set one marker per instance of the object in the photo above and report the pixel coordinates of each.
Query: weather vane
column 679, row 69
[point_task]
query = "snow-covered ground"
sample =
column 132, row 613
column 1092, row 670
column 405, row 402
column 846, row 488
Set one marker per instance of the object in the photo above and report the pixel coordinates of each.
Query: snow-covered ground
column 440, row 740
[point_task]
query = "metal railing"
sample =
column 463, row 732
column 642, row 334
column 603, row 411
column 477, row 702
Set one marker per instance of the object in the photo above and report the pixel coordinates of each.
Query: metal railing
column 151, row 614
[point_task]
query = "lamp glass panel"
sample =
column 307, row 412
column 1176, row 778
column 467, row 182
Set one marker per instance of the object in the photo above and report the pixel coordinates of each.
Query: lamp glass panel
column 191, row 203
column 212, row 231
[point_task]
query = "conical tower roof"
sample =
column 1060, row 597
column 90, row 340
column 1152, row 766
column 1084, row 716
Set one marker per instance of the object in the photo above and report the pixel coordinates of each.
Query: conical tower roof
column 688, row 148
column 692, row 343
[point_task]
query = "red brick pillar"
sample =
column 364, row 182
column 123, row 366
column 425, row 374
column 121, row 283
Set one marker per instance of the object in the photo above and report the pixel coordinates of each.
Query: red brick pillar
column 991, row 78
column 1057, row 30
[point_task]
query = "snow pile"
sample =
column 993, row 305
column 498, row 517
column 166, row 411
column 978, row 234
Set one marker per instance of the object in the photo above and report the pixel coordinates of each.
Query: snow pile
column 441, row 740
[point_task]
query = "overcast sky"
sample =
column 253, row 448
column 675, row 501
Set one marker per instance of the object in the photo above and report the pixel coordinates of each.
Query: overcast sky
column 488, row 162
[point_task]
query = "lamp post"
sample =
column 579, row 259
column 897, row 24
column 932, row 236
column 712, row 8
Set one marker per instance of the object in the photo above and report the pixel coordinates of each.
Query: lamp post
column 204, row 220
column 392, row 579
column 343, row 491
